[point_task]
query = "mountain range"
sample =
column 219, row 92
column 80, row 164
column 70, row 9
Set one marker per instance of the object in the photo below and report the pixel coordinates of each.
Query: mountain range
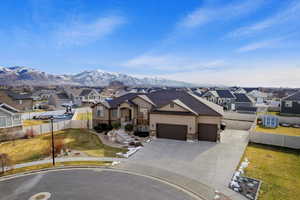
column 28, row 76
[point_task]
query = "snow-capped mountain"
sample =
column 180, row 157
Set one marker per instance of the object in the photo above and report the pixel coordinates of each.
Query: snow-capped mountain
column 22, row 75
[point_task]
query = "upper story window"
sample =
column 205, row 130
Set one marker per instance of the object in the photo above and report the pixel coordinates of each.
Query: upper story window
column 114, row 113
column 288, row 104
column 172, row 105
column 100, row 111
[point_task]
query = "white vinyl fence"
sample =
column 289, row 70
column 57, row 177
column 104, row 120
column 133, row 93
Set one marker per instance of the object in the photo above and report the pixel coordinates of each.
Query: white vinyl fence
column 275, row 139
column 46, row 128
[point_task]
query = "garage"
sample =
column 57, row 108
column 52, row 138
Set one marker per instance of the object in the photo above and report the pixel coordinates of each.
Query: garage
column 208, row 132
column 171, row 131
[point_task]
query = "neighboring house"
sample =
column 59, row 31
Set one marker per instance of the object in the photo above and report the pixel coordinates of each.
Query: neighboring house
column 245, row 90
column 10, row 118
column 290, row 105
column 241, row 100
column 90, row 95
column 166, row 114
column 222, row 97
column 59, row 100
column 258, row 97
column 20, row 101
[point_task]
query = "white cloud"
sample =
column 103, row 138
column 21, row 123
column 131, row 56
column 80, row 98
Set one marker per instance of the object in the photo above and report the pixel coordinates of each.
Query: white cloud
column 80, row 33
column 284, row 18
column 204, row 15
column 170, row 62
column 276, row 76
column 259, row 45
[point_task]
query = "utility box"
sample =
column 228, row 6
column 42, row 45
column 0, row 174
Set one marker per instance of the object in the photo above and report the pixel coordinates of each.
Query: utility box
column 270, row 121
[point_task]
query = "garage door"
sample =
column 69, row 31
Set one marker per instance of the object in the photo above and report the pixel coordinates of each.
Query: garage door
column 207, row 132
column 171, row 131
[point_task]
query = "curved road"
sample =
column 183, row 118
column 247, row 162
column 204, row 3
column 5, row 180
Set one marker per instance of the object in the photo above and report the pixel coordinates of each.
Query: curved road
column 90, row 184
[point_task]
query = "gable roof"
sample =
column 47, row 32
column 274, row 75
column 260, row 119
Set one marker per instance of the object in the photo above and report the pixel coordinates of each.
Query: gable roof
column 62, row 95
column 240, row 97
column 115, row 102
column 17, row 96
column 8, row 108
column 250, row 89
column 162, row 98
column 85, row 92
column 293, row 97
column 225, row 94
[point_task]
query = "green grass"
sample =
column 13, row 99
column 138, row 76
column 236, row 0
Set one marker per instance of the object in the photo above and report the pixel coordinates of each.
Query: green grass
column 279, row 130
column 27, row 150
column 279, row 170
column 59, row 164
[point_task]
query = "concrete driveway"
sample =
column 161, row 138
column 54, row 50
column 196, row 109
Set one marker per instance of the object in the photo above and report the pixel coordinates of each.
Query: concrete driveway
column 207, row 162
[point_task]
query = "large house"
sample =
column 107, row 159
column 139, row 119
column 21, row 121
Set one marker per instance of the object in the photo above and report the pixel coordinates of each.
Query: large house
column 10, row 118
column 290, row 105
column 20, row 101
column 222, row 97
column 59, row 100
column 166, row 114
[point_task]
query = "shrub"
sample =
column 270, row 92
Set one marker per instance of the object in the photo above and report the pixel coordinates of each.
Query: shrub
column 129, row 127
column 29, row 134
column 102, row 127
column 116, row 125
column 59, row 144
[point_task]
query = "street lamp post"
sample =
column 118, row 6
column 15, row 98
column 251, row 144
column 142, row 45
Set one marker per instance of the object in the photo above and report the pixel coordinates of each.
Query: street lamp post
column 53, row 149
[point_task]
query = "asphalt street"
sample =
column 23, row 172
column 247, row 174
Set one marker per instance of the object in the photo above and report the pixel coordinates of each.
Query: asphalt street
column 90, row 184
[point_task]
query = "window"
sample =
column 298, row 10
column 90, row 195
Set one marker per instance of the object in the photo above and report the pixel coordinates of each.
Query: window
column 100, row 111
column 20, row 101
column 172, row 105
column 114, row 113
column 288, row 104
column 2, row 121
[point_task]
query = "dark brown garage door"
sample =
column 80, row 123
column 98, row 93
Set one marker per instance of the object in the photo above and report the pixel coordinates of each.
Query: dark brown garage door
column 207, row 132
column 171, row 131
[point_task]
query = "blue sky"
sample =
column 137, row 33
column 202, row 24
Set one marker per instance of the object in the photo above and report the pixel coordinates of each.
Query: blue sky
column 228, row 42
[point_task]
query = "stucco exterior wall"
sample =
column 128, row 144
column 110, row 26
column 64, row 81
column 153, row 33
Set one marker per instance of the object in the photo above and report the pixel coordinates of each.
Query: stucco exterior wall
column 190, row 121
column 142, row 103
column 209, row 120
column 175, row 108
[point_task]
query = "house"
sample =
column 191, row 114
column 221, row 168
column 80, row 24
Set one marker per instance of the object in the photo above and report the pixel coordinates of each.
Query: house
column 241, row 100
column 10, row 118
column 290, row 105
column 20, row 101
column 59, row 100
column 245, row 90
column 168, row 114
column 222, row 97
column 258, row 97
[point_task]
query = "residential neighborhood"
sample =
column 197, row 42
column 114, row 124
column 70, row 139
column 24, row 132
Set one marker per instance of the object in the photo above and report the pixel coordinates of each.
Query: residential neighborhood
column 149, row 100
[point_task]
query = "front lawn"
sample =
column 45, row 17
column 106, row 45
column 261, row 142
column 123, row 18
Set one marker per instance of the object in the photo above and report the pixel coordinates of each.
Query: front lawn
column 278, row 168
column 26, row 150
column 279, row 130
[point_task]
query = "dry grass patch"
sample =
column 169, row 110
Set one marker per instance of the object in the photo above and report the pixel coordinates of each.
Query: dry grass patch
column 279, row 130
column 278, row 168
column 34, row 122
column 27, row 150
column 84, row 116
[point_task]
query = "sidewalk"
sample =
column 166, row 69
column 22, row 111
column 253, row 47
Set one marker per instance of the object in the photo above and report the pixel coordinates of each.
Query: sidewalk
column 70, row 159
